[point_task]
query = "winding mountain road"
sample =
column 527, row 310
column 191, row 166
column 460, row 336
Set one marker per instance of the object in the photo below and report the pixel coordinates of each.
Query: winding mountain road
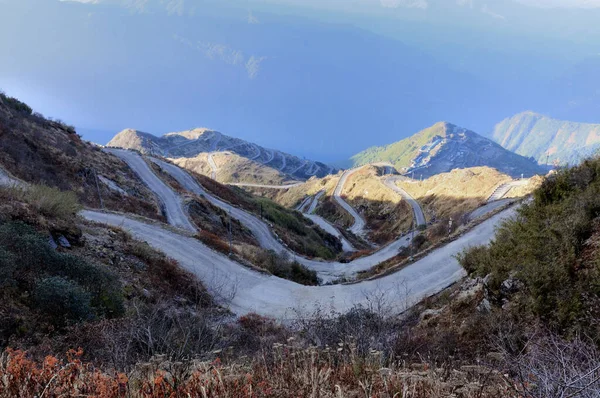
column 390, row 182
column 173, row 205
column 324, row 224
column 271, row 156
column 327, row 271
column 245, row 290
column 358, row 228
column 490, row 207
column 286, row 186
column 297, row 169
column 283, row 162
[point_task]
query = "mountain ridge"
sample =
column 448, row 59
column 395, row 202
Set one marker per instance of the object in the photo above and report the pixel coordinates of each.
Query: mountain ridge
column 195, row 142
column 547, row 139
column 445, row 146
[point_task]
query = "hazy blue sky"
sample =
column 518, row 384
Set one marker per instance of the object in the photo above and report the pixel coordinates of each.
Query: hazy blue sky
column 323, row 79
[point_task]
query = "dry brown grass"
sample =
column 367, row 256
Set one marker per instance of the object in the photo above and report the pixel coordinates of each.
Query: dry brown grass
column 518, row 192
column 386, row 213
column 457, row 192
column 285, row 372
column 48, row 201
column 233, row 168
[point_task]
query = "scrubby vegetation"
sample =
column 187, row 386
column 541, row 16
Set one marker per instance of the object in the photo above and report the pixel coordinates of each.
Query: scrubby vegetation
column 284, row 267
column 65, row 288
column 47, row 201
column 46, row 152
column 549, row 253
column 299, row 233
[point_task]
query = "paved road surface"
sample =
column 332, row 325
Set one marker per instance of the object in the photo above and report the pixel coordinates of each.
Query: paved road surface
column 297, row 169
column 358, row 228
column 216, row 142
column 503, row 189
column 173, row 204
column 390, row 182
column 303, row 204
column 247, row 291
column 283, row 161
column 313, row 204
column 286, row 186
column 326, row 225
column 489, row 207
column 271, row 156
column 213, row 167
column 258, row 152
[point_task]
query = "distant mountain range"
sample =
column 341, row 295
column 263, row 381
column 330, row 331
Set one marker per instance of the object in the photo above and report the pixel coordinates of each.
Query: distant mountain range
column 444, row 147
column 546, row 139
column 274, row 165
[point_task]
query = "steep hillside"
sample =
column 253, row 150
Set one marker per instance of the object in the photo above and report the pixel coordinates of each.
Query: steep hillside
column 42, row 151
column 191, row 143
column 228, row 167
column 454, row 194
column 443, row 147
column 546, row 139
column 547, row 257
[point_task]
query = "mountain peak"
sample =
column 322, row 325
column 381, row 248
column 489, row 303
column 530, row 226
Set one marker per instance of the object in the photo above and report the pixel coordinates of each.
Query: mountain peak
column 443, row 147
column 547, row 139
column 243, row 155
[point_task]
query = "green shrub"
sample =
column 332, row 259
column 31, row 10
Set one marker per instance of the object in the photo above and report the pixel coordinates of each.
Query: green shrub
column 29, row 249
column 17, row 105
column 551, row 248
column 62, row 300
column 31, row 257
column 103, row 285
column 283, row 267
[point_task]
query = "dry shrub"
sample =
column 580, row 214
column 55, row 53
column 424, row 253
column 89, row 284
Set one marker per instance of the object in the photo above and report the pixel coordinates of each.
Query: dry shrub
column 286, row 371
column 354, row 255
column 23, row 377
column 214, row 241
column 48, row 201
column 167, row 276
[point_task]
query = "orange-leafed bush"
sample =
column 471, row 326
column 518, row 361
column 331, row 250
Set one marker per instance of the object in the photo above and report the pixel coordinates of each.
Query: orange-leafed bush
column 286, row 372
column 23, row 377
column 213, row 241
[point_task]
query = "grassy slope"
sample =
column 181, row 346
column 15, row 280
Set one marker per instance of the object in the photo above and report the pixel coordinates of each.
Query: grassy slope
column 531, row 134
column 386, row 214
column 233, row 168
column 458, row 192
column 401, row 153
